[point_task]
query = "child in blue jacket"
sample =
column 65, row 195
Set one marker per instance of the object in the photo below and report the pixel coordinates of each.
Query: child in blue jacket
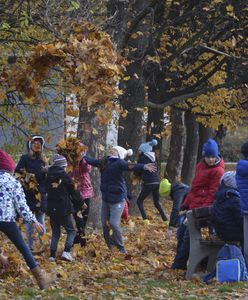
column 114, row 191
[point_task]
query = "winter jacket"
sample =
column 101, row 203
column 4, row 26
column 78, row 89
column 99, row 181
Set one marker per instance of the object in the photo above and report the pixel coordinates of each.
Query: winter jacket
column 61, row 194
column 204, row 185
column 148, row 177
column 242, row 182
column 226, row 213
column 12, row 199
column 113, row 185
column 178, row 193
column 81, row 178
column 34, row 166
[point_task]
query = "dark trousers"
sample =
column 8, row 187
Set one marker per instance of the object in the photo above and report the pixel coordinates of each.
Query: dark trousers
column 11, row 230
column 67, row 223
column 182, row 255
column 146, row 190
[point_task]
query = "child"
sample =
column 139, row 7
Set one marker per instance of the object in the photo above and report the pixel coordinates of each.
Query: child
column 203, row 188
column 34, row 162
column 81, row 179
column 114, row 191
column 12, row 199
column 227, row 214
column 242, row 177
column 60, row 194
column 150, row 180
column 177, row 192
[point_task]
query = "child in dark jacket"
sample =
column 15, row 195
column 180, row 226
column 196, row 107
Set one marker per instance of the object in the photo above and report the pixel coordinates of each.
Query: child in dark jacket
column 60, row 195
column 150, row 180
column 177, row 193
column 34, row 163
column 227, row 214
column 114, row 191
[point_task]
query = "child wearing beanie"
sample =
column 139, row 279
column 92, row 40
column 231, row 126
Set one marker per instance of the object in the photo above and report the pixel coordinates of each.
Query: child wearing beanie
column 242, row 177
column 203, row 188
column 114, row 191
column 150, row 181
column 227, row 216
column 60, row 193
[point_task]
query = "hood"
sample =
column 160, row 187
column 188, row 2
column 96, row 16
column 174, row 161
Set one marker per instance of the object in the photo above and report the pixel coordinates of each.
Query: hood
column 34, row 137
column 242, row 168
column 151, row 156
column 224, row 192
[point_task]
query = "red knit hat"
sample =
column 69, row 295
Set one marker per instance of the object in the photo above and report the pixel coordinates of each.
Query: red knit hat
column 6, row 162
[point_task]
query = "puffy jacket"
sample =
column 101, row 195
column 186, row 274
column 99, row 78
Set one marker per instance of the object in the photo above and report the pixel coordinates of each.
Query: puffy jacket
column 226, row 213
column 148, row 177
column 113, row 185
column 242, row 182
column 81, row 177
column 34, row 166
column 60, row 193
column 204, row 185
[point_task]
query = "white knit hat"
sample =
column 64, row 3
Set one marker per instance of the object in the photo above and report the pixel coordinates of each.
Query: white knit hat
column 229, row 179
column 122, row 152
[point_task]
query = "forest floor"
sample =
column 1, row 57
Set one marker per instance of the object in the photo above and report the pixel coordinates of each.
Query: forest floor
column 98, row 273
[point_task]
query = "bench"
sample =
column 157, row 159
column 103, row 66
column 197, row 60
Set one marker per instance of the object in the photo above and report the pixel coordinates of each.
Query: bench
column 200, row 247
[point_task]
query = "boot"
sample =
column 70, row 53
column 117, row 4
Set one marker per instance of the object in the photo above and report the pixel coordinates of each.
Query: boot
column 43, row 280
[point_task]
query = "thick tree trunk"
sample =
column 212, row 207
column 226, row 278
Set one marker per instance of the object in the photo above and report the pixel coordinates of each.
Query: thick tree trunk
column 175, row 159
column 88, row 121
column 191, row 148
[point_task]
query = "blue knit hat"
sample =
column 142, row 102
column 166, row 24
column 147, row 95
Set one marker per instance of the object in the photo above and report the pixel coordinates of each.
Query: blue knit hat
column 147, row 147
column 210, row 148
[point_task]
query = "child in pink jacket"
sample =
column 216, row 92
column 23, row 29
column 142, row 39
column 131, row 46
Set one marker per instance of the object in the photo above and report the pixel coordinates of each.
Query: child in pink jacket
column 81, row 178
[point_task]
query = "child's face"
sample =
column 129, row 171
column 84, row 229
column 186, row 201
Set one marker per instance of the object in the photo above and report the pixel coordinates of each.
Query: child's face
column 210, row 160
column 113, row 152
column 36, row 146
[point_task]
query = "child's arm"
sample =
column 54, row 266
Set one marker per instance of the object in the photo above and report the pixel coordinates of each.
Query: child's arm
column 92, row 161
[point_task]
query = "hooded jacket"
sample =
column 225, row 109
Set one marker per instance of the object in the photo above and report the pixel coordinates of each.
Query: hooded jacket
column 148, row 177
column 61, row 194
column 226, row 213
column 204, row 185
column 242, row 182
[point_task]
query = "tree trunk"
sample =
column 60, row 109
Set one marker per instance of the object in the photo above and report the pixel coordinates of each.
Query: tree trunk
column 175, row 159
column 88, row 121
column 191, row 148
column 204, row 134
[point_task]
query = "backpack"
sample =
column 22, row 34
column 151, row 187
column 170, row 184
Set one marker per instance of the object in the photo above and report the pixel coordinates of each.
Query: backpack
column 230, row 266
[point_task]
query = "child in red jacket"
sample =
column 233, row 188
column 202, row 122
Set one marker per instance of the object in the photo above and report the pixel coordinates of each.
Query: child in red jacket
column 204, row 185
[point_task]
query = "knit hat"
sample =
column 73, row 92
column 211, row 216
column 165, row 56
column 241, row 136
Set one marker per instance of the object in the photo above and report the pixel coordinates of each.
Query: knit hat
column 147, row 147
column 36, row 137
column 229, row 179
column 244, row 149
column 6, row 162
column 122, row 152
column 210, row 148
column 59, row 161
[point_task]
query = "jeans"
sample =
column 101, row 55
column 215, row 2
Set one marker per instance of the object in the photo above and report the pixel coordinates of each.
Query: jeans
column 146, row 190
column 67, row 223
column 40, row 216
column 11, row 230
column 182, row 255
column 111, row 219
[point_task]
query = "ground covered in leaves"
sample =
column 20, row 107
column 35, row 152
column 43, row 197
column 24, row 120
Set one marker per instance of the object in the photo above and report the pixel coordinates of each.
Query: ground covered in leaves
column 98, row 273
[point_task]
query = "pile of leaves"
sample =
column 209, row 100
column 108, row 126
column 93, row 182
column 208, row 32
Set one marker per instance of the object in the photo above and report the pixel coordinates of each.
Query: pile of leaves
column 29, row 183
column 72, row 149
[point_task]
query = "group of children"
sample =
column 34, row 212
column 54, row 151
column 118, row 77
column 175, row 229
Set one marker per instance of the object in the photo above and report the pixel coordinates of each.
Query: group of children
column 65, row 198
